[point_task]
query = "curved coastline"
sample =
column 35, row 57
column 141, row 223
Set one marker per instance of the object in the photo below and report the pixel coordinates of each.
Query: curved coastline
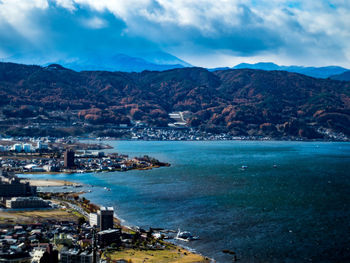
column 50, row 183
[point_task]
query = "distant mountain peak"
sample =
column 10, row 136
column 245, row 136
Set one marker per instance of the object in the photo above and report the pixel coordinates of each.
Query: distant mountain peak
column 55, row 67
column 159, row 57
column 260, row 65
column 158, row 61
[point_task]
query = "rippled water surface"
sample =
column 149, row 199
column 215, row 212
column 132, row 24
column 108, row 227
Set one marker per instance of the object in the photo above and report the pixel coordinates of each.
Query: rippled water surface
column 297, row 211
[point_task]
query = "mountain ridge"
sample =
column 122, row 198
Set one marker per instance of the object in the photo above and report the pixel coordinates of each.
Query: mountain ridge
column 316, row 72
column 345, row 76
column 238, row 101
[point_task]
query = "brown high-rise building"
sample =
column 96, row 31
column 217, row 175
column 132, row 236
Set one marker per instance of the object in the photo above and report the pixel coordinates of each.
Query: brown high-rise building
column 69, row 159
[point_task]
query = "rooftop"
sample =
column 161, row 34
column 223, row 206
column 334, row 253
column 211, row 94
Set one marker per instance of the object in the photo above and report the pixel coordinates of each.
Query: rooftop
column 110, row 208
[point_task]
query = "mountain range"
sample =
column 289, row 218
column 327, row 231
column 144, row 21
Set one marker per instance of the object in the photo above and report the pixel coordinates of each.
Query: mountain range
column 159, row 61
column 316, row 72
column 239, row 101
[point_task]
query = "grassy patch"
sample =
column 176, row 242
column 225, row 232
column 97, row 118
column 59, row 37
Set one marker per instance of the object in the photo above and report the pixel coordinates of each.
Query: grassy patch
column 27, row 217
column 156, row 256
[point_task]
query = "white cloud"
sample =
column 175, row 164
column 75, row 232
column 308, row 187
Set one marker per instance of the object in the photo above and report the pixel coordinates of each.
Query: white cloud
column 301, row 32
column 17, row 13
column 95, row 22
column 68, row 4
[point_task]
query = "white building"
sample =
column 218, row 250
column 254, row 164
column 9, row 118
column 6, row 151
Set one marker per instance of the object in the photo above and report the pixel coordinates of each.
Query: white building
column 26, row 202
column 27, row 147
column 37, row 254
column 94, row 219
column 42, row 146
column 17, row 147
column 34, row 168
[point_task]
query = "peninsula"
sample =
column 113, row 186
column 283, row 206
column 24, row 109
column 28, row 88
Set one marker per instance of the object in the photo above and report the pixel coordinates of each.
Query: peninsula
column 57, row 155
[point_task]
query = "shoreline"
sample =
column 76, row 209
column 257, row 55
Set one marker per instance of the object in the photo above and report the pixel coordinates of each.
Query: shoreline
column 219, row 140
column 121, row 222
column 100, row 171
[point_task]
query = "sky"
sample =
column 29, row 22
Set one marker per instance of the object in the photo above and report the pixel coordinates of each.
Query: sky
column 206, row 33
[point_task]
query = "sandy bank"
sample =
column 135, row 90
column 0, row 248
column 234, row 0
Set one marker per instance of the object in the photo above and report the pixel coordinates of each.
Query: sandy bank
column 47, row 182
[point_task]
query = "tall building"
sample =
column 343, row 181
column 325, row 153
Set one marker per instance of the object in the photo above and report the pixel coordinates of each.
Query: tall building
column 10, row 186
column 42, row 146
column 17, row 147
column 94, row 219
column 27, row 148
column 106, row 218
column 69, row 158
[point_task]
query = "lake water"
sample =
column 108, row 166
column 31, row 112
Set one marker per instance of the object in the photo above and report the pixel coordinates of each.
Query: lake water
column 295, row 212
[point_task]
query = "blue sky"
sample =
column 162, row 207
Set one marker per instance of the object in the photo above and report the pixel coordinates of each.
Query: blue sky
column 207, row 33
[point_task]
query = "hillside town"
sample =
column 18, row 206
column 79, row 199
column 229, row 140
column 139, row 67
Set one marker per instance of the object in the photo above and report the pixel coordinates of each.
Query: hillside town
column 176, row 131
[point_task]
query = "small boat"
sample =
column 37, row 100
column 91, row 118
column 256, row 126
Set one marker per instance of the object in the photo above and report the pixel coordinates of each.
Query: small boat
column 275, row 166
column 185, row 236
column 106, row 188
column 157, row 235
column 244, row 167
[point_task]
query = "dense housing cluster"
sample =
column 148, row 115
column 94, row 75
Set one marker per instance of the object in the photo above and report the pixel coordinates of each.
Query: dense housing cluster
column 63, row 156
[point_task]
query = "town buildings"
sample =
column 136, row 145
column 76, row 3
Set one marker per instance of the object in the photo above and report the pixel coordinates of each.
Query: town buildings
column 15, row 194
column 108, row 237
column 77, row 256
column 26, row 202
column 10, row 186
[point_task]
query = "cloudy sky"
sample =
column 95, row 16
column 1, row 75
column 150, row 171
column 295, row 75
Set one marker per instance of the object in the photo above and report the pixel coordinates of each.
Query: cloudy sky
column 207, row 33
